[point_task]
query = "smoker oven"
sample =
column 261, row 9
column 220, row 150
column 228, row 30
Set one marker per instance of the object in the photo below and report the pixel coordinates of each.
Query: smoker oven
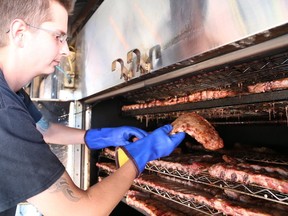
column 253, row 121
column 142, row 52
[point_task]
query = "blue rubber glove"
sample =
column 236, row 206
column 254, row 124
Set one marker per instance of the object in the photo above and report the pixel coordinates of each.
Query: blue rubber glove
column 118, row 136
column 158, row 144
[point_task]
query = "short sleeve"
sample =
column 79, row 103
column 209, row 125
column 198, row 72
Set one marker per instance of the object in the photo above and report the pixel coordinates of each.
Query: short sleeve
column 32, row 109
column 27, row 165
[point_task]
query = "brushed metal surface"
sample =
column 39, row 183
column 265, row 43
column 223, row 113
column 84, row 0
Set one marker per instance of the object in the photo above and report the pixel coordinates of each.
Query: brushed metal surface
column 180, row 29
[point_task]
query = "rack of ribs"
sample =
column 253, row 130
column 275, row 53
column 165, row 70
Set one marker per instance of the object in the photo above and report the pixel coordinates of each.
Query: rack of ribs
column 199, row 128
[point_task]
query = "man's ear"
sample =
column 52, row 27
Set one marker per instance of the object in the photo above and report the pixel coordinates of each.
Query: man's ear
column 17, row 32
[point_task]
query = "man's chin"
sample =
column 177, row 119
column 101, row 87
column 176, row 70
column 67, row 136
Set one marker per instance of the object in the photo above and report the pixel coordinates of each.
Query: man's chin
column 49, row 71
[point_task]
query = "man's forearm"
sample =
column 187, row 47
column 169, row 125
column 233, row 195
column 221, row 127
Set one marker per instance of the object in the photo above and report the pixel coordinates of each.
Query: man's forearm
column 61, row 134
column 112, row 189
column 64, row 198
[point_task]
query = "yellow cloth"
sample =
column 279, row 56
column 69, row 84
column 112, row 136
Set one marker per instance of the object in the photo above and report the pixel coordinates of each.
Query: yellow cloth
column 121, row 157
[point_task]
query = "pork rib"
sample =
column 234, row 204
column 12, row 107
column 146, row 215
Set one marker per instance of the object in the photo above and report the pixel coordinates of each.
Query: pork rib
column 154, row 206
column 188, row 163
column 280, row 170
column 194, row 97
column 206, row 195
column 269, row 86
column 199, row 128
column 109, row 152
column 232, row 172
column 109, row 167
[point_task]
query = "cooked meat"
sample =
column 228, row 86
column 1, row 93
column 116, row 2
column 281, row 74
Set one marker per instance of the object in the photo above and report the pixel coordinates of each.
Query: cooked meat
column 109, row 167
column 175, row 188
column 188, row 163
column 199, row 128
column 194, row 97
column 255, row 201
column 155, row 206
column 233, row 172
column 269, row 86
column 204, row 195
column 109, row 152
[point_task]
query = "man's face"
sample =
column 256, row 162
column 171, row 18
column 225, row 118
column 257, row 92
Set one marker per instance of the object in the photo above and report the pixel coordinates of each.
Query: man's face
column 47, row 43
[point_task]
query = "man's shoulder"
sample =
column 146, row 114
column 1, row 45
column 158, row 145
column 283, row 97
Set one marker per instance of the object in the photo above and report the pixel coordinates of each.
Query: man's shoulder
column 7, row 97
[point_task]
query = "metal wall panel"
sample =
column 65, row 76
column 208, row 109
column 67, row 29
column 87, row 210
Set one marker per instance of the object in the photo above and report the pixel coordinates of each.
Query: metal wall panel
column 181, row 30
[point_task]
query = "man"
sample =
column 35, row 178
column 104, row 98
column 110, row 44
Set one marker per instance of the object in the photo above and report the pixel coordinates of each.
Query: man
column 32, row 42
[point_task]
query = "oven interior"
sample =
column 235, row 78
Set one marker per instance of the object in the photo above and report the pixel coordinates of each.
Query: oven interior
column 252, row 125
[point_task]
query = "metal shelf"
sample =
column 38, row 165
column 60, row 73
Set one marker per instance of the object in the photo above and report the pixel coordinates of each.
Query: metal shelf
column 173, row 198
column 235, row 76
column 205, row 178
column 265, row 108
column 270, row 159
column 188, row 203
column 223, row 102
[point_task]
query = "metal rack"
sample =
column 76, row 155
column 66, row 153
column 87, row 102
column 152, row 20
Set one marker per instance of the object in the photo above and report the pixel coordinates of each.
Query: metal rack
column 171, row 197
column 276, row 159
column 188, row 203
column 249, row 109
column 205, row 178
column 232, row 76
column 265, row 108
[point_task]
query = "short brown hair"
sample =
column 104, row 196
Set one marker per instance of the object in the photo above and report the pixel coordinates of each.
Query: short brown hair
column 34, row 12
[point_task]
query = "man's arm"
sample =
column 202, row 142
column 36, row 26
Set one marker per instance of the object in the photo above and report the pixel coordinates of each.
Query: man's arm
column 65, row 198
column 98, row 138
column 54, row 133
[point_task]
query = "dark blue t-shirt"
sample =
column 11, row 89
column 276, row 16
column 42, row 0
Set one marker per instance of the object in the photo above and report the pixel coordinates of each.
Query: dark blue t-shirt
column 27, row 165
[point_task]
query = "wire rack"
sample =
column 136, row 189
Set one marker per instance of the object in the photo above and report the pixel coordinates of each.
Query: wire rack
column 267, row 107
column 186, row 202
column 236, row 76
column 206, row 179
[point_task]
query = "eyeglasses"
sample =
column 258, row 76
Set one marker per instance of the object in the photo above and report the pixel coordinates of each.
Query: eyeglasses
column 61, row 37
